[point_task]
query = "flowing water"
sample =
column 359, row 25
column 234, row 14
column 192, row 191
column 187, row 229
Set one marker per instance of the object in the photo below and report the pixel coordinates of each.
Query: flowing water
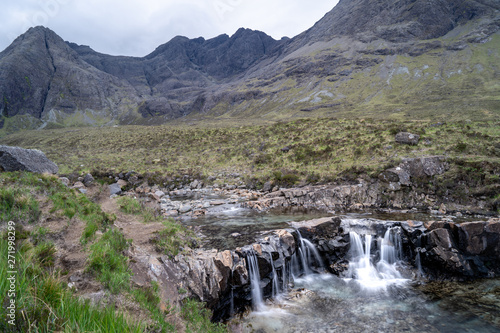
column 229, row 226
column 375, row 296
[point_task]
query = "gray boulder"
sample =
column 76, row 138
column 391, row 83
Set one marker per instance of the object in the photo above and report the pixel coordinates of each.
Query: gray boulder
column 88, row 179
column 115, row 189
column 407, row 138
column 20, row 159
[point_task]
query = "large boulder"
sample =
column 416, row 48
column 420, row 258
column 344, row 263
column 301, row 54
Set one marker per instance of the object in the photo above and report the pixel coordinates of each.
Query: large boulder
column 407, row 138
column 20, row 159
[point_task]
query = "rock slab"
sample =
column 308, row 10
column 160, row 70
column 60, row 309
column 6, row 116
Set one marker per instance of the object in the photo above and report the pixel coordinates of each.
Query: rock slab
column 20, row 159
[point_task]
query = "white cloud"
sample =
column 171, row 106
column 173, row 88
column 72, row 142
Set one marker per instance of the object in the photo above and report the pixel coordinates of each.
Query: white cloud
column 137, row 27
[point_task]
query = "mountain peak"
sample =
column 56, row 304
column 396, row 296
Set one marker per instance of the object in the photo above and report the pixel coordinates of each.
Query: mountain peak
column 398, row 21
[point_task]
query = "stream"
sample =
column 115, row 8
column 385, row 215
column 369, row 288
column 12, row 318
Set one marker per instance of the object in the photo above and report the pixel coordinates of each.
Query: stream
column 378, row 293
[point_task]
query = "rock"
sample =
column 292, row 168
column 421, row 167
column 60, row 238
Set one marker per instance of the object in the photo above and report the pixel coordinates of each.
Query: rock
column 159, row 194
column 396, row 175
column 194, row 184
column 78, row 185
column 20, row 159
column 88, row 179
column 121, row 183
column 217, row 202
column 115, row 189
column 267, row 187
column 427, row 166
column 286, row 238
column 64, row 180
column 185, row 208
column 171, row 213
column 407, row 138
column 471, row 238
column 442, row 209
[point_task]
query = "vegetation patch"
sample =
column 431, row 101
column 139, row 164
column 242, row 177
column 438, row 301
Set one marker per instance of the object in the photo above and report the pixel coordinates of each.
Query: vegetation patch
column 108, row 263
column 198, row 318
column 173, row 238
column 44, row 304
column 325, row 148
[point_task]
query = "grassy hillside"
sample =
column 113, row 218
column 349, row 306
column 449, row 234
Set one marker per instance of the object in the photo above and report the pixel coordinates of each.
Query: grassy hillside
column 42, row 223
column 311, row 149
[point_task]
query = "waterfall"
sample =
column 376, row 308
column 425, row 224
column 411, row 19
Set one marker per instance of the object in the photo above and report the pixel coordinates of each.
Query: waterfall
column 418, row 261
column 274, row 282
column 286, row 275
column 372, row 276
column 231, row 304
column 254, row 275
column 309, row 255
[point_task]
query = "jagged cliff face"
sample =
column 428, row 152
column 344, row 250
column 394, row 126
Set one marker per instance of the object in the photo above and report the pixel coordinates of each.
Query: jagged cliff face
column 399, row 58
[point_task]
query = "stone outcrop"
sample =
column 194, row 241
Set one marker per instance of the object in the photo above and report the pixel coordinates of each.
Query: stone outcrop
column 20, row 159
column 466, row 250
column 393, row 189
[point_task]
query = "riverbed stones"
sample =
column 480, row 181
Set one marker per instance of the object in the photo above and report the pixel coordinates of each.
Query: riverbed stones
column 185, row 208
column 20, row 159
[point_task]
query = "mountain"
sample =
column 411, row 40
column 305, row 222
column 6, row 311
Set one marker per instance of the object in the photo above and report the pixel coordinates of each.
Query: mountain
column 406, row 58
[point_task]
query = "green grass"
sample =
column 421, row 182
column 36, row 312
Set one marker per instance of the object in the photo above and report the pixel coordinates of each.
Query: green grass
column 198, row 318
column 172, row 238
column 148, row 298
column 18, row 205
column 319, row 148
column 19, row 201
column 130, row 205
column 108, row 263
column 43, row 304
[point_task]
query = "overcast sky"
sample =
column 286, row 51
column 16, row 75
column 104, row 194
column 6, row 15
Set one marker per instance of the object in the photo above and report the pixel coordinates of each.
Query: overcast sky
column 137, row 27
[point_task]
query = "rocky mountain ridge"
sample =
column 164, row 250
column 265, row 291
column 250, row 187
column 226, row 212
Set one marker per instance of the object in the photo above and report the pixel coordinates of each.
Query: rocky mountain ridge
column 375, row 56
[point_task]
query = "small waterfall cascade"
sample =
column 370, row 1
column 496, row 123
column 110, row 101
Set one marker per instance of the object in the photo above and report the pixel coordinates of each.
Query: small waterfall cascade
column 275, row 286
column 286, row 276
column 254, row 275
column 418, row 261
column 362, row 266
column 231, row 304
column 306, row 256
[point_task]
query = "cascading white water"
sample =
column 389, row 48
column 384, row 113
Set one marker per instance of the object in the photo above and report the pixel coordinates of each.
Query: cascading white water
column 286, row 276
column 274, row 282
column 302, row 260
column 308, row 255
column 384, row 273
column 254, row 275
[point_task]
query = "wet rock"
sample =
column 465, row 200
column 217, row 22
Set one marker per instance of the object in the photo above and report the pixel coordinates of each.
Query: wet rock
column 20, row 159
column 407, row 138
